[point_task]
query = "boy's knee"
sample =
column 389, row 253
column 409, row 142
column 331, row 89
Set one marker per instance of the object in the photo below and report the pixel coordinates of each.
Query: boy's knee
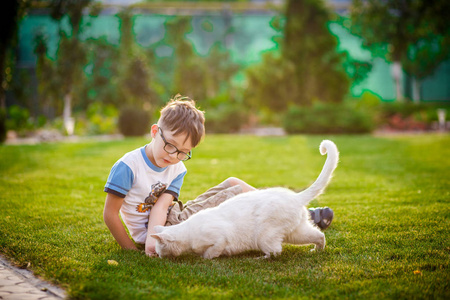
column 232, row 181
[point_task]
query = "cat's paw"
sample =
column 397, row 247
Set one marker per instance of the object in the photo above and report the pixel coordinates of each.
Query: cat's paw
column 266, row 256
column 317, row 248
column 269, row 255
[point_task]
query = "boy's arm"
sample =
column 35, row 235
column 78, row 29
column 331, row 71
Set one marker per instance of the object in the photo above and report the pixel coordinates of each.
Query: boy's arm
column 111, row 217
column 158, row 216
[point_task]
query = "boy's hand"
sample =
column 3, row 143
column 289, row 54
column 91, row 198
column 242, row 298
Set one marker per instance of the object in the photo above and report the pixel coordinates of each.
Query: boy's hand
column 152, row 254
column 113, row 204
column 158, row 216
column 150, row 251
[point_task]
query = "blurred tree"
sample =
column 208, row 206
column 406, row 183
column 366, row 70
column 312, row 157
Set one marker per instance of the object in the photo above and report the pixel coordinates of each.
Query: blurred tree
column 10, row 15
column 413, row 34
column 101, row 84
column 71, row 54
column 310, row 46
column 189, row 71
column 200, row 77
column 356, row 69
column 220, row 69
column 308, row 68
column 49, row 91
column 135, row 73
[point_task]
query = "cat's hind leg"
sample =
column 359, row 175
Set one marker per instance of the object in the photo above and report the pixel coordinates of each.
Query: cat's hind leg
column 304, row 234
column 214, row 251
column 270, row 245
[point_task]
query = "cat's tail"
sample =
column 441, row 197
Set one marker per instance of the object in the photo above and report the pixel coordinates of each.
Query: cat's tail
column 322, row 181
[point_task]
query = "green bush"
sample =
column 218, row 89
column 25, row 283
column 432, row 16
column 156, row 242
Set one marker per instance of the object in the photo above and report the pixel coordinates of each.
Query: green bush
column 226, row 118
column 98, row 119
column 102, row 119
column 134, row 122
column 328, row 118
column 409, row 115
column 425, row 112
column 2, row 126
column 18, row 119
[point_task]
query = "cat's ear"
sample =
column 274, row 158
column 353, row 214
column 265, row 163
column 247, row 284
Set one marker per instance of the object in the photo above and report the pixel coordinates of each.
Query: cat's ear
column 162, row 237
column 157, row 237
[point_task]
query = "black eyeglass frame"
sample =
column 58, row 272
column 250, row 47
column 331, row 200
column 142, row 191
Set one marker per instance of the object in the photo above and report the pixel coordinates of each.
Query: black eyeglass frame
column 178, row 152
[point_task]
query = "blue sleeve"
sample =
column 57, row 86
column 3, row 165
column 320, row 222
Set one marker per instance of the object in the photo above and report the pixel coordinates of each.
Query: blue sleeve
column 120, row 179
column 175, row 185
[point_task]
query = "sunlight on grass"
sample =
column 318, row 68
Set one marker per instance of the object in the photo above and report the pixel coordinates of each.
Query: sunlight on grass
column 390, row 236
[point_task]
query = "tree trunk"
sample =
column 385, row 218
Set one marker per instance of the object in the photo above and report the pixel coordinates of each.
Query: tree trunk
column 416, row 85
column 397, row 75
column 2, row 71
column 69, row 122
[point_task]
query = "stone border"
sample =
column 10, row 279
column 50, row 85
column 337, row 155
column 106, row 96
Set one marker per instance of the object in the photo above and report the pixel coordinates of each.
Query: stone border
column 16, row 283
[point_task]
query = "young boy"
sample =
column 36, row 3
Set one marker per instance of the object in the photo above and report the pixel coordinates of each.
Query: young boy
column 156, row 172
column 144, row 185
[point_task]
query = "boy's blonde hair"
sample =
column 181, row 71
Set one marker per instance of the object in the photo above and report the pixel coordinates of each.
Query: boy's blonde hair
column 181, row 116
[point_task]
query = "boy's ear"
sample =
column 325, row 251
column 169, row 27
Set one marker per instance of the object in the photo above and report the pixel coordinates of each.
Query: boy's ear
column 154, row 130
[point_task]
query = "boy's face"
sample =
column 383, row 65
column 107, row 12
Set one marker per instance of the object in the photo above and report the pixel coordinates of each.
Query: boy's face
column 164, row 140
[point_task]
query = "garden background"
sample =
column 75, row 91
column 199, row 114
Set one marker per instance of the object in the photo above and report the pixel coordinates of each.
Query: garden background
column 79, row 67
column 83, row 80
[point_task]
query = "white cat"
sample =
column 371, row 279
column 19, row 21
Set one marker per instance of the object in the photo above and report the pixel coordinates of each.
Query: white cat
column 261, row 219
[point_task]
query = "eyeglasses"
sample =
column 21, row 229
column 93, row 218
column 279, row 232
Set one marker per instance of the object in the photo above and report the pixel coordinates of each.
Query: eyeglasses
column 171, row 149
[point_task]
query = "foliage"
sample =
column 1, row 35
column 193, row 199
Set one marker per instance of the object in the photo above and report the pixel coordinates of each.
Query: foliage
column 415, row 33
column 410, row 116
column 357, row 70
column 197, row 0
column 271, row 83
column 329, row 118
column 424, row 56
column 389, row 238
column 119, row 75
column 226, row 116
column 18, row 119
column 99, row 119
column 73, row 9
column 135, row 74
column 133, row 121
column 126, row 75
column 207, row 79
column 310, row 46
column 308, row 68
column 199, row 77
column 49, row 91
column 99, row 71
column 71, row 54
column 70, row 62
column 10, row 14
column 102, row 81
column 3, row 130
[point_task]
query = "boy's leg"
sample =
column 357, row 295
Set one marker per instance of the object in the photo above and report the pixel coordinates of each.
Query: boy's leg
column 210, row 192
column 211, row 198
column 244, row 185
column 229, row 182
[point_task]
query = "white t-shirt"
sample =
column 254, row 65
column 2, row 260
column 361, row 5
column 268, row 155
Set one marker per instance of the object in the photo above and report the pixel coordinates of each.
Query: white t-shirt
column 132, row 178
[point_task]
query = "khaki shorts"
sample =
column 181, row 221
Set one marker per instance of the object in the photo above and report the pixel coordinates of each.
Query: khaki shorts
column 211, row 198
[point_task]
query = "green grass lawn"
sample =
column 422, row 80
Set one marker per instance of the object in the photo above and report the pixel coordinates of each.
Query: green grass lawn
column 389, row 239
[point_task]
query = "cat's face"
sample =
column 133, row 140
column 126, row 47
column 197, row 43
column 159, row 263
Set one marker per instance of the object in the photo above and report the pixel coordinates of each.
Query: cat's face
column 167, row 249
column 166, row 245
